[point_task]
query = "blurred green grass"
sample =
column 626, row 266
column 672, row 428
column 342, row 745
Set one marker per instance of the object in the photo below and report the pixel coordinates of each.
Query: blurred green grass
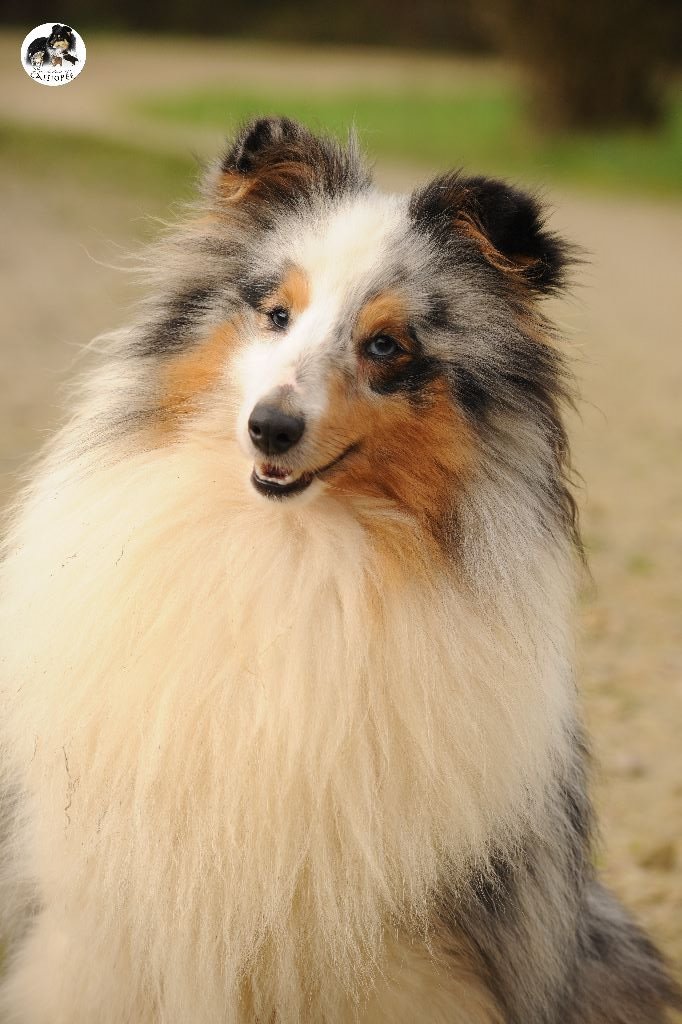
column 481, row 127
column 484, row 129
column 94, row 162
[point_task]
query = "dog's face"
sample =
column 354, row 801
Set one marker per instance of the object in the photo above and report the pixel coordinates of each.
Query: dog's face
column 340, row 363
column 61, row 38
column 378, row 344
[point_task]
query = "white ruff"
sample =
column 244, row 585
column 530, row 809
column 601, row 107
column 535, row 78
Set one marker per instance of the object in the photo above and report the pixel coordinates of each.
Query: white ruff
column 252, row 744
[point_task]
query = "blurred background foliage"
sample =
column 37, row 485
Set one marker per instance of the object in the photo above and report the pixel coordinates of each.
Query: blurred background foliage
column 594, row 63
column 583, row 92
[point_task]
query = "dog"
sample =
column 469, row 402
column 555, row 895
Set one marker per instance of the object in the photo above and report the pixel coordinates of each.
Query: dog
column 290, row 724
column 51, row 50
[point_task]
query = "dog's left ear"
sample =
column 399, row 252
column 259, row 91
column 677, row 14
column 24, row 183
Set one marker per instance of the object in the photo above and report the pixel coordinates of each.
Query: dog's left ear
column 275, row 160
column 506, row 224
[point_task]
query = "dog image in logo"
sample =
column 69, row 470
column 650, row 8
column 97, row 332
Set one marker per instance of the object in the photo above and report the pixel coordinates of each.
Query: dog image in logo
column 52, row 50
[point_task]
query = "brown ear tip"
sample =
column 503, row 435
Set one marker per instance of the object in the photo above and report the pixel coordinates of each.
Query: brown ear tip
column 255, row 139
column 275, row 161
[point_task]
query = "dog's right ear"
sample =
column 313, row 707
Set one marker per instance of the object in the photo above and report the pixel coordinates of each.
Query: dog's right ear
column 275, row 160
column 266, row 141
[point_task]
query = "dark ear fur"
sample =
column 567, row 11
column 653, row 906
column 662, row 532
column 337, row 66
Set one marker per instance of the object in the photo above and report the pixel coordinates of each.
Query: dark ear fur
column 263, row 141
column 275, row 159
column 507, row 224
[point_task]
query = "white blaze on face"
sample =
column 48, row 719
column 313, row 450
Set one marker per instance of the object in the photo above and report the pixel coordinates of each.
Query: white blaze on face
column 339, row 256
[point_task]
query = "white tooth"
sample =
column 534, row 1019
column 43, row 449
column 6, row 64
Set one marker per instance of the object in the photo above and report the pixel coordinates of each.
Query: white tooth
column 281, row 480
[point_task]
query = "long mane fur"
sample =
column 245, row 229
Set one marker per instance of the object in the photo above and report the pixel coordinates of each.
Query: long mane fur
column 222, row 673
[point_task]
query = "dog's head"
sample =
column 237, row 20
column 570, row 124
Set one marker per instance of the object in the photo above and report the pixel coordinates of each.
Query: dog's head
column 62, row 38
column 382, row 347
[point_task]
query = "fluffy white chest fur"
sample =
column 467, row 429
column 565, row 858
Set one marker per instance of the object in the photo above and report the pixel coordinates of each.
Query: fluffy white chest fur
column 256, row 743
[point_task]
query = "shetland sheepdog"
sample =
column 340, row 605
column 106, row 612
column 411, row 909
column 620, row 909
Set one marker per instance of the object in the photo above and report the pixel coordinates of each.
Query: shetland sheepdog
column 51, row 50
column 289, row 727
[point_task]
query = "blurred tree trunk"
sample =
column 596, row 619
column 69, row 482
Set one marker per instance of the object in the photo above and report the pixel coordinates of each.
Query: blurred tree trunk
column 594, row 63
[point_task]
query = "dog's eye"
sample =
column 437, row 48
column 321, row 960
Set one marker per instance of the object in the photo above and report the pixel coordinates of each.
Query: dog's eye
column 279, row 317
column 383, row 347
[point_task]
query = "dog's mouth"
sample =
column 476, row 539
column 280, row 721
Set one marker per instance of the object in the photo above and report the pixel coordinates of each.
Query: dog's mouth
column 275, row 482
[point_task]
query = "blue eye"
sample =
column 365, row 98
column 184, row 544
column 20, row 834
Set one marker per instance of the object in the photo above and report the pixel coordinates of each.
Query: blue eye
column 383, row 347
column 279, row 317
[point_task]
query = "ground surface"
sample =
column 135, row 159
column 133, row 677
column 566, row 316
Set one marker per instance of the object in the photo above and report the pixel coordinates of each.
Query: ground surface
column 62, row 235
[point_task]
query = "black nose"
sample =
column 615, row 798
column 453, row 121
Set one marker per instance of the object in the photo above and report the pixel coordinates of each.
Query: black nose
column 274, row 431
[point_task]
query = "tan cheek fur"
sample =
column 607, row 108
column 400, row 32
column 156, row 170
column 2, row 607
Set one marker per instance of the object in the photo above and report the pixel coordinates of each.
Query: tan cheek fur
column 193, row 373
column 410, row 456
